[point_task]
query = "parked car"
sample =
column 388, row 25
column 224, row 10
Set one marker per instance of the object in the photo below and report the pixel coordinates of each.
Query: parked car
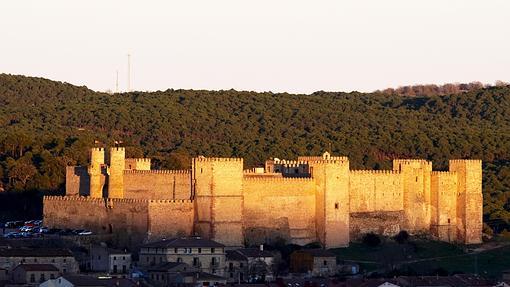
column 41, row 230
column 14, row 224
column 85, row 232
column 26, row 228
column 38, row 222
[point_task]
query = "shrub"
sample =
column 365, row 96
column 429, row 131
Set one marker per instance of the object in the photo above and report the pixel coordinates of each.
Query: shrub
column 371, row 239
column 401, row 237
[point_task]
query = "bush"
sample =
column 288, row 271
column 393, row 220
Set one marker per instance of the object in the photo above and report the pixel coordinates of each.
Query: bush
column 401, row 237
column 371, row 239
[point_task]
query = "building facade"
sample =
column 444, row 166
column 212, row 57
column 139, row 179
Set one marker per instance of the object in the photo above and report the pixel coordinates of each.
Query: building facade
column 312, row 199
column 202, row 254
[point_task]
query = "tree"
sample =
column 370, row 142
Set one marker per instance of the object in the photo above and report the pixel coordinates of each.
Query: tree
column 371, row 239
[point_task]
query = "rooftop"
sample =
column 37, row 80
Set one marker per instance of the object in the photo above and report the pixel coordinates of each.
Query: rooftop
column 37, row 267
column 35, row 252
column 81, row 280
column 245, row 253
column 184, row 242
column 318, row 252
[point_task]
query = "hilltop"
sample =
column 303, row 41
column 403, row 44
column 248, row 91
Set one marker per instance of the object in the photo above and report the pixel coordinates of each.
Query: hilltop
column 47, row 125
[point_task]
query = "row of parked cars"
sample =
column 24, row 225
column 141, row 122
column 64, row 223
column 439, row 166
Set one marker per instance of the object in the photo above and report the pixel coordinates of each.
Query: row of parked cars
column 34, row 228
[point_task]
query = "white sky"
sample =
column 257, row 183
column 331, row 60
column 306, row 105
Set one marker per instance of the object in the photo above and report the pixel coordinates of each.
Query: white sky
column 262, row 45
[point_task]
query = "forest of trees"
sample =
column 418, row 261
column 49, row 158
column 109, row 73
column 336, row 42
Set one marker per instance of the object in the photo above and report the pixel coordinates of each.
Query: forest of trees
column 46, row 125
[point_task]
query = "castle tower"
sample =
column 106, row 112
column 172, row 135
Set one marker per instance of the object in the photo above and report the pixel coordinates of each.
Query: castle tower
column 443, row 223
column 417, row 197
column 469, row 200
column 332, row 201
column 94, row 171
column 116, row 172
column 218, row 197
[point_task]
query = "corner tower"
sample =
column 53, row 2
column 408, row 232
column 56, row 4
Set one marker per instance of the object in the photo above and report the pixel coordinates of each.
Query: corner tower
column 116, row 172
column 332, row 207
column 469, row 200
column 95, row 171
column 217, row 190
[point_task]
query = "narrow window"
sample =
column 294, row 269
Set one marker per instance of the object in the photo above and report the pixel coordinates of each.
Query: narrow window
column 212, row 250
column 199, row 250
column 325, row 263
column 416, row 179
column 336, row 205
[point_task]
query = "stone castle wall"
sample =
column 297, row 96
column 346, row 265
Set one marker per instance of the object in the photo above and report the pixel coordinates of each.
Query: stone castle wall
column 279, row 207
column 157, row 184
column 132, row 220
column 375, row 191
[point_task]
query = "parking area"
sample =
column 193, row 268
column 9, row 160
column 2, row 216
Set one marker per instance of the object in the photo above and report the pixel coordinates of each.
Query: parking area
column 35, row 228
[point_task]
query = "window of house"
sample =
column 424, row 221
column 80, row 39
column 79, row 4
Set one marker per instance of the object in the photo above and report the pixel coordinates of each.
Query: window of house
column 52, row 260
column 231, row 275
column 179, row 259
column 195, row 261
column 199, row 250
column 32, row 278
column 241, row 265
column 35, row 259
column 114, row 257
column 336, row 205
column 123, row 257
column 64, row 260
column 42, row 278
column 325, row 263
column 231, row 266
column 52, row 276
column 64, row 270
column 212, row 250
column 175, row 250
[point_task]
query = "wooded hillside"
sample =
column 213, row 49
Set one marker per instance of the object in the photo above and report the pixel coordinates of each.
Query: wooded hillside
column 46, row 125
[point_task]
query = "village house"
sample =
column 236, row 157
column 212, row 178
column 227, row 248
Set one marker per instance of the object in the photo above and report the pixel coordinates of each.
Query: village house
column 203, row 254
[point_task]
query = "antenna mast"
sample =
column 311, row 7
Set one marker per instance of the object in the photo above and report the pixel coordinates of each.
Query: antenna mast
column 117, row 83
column 129, row 74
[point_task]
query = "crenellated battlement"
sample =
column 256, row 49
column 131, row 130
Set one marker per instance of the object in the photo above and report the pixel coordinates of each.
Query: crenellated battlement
column 74, row 198
column 165, row 201
column 158, row 171
column 317, row 158
column 118, row 148
column 329, row 161
column 466, row 161
column 139, row 159
column 221, row 159
column 376, row 172
column 97, row 149
column 442, row 172
column 279, row 179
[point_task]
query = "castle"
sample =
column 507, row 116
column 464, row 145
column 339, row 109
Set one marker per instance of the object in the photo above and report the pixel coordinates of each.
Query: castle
column 311, row 199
